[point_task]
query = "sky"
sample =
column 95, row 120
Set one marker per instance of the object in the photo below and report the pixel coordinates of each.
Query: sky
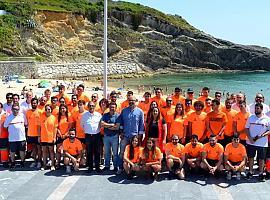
column 239, row 21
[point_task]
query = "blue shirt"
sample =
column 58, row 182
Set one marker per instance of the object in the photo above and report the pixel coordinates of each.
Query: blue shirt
column 110, row 119
column 132, row 121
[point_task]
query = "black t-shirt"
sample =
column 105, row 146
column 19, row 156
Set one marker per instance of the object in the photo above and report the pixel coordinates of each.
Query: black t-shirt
column 153, row 129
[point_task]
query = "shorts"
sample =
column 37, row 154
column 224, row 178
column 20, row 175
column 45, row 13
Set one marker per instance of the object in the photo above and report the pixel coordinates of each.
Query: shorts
column 82, row 140
column 176, row 166
column 261, row 151
column 17, row 146
column 32, row 140
column 59, row 141
column 47, row 143
column 3, row 143
column 235, row 163
column 212, row 162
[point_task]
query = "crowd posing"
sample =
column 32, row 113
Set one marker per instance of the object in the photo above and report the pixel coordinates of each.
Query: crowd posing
column 178, row 133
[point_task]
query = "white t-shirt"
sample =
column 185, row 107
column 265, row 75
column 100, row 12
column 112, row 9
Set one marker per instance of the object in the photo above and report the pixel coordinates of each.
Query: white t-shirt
column 258, row 126
column 90, row 122
column 24, row 107
column 16, row 129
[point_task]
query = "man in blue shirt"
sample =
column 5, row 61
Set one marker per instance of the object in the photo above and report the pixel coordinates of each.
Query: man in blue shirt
column 111, row 136
column 131, row 120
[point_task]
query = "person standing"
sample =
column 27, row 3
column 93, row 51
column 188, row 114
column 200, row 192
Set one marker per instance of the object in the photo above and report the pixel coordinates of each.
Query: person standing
column 15, row 123
column 257, row 127
column 90, row 122
column 4, row 154
column 259, row 99
column 111, row 136
column 131, row 120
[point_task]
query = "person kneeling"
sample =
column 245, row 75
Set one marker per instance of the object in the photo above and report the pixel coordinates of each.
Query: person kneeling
column 131, row 157
column 151, row 157
column 235, row 157
column 175, row 158
column 72, row 151
column 212, row 156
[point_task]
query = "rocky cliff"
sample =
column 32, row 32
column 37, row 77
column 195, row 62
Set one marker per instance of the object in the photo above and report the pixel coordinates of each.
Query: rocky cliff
column 152, row 43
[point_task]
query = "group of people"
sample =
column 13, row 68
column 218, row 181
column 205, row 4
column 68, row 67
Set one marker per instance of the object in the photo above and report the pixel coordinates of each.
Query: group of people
column 179, row 133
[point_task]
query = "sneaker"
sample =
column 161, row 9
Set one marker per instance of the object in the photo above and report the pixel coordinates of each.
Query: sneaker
column 38, row 165
column 49, row 163
column 52, row 168
column 119, row 171
column 68, row 170
column 261, row 178
column 249, row 176
column 98, row 170
column 238, row 176
column 33, row 165
column 42, row 168
column 90, row 170
column 229, row 175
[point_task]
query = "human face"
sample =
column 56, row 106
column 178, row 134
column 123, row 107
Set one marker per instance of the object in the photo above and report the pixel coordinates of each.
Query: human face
column 81, row 106
column 205, row 93
column 258, row 110
column 112, row 108
column 48, row 110
column 79, row 90
column 62, row 90
column 74, row 100
column 194, row 142
column 178, row 108
column 72, row 134
column 177, row 92
column 113, row 98
column 48, row 94
column 15, row 110
column 15, row 99
column 54, row 101
column 218, row 96
column 147, row 97
column 208, row 103
column 154, row 105
column 34, row 104
column 94, row 97
column 158, row 93
column 149, row 144
column 242, row 107
column 63, row 109
column 215, row 106
column 175, row 140
column 155, row 112
column 168, row 102
column 135, row 142
column 29, row 96
column 228, row 104
column 212, row 141
column 9, row 99
column 239, row 97
column 190, row 95
column 198, row 107
column 91, row 107
column 235, row 142
column 42, row 101
column 132, row 101
column 259, row 98
column 62, row 101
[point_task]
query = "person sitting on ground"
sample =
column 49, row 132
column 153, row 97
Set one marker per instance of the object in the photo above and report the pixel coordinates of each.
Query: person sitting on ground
column 192, row 153
column 235, row 157
column 72, row 148
column 175, row 158
column 212, row 156
column 131, row 157
column 151, row 157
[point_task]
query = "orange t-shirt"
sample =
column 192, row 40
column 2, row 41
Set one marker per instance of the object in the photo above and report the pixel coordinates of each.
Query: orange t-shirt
column 235, row 154
column 55, row 111
column 136, row 157
column 176, row 100
column 72, row 109
column 166, row 112
column 177, row 126
column 124, row 104
column 193, row 152
column 84, row 97
column 241, row 120
column 207, row 109
column 72, row 148
column 150, row 157
column 41, row 108
column 160, row 101
column 67, row 98
column 213, row 153
column 145, row 107
column 64, row 124
column 216, row 121
column 229, row 125
column 33, row 120
column 197, row 123
column 48, row 126
column 176, row 151
column 3, row 131
column 77, row 119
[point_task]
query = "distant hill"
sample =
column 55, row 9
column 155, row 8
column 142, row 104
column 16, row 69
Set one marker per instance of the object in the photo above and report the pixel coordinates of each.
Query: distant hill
column 72, row 31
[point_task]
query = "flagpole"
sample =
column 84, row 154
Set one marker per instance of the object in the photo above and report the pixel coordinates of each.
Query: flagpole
column 105, row 51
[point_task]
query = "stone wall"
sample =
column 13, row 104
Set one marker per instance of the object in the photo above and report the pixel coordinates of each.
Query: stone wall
column 69, row 70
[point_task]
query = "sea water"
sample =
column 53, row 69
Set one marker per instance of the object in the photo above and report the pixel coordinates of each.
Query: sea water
column 248, row 83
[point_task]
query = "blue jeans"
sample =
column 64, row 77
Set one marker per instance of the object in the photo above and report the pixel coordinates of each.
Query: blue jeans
column 111, row 142
column 124, row 142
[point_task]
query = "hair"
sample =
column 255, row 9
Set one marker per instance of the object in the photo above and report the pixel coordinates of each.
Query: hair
column 147, row 93
column 81, row 85
column 130, row 92
column 131, row 148
column 34, row 99
column 47, row 90
column 72, row 129
column 259, row 105
column 113, row 93
column 146, row 150
column 74, row 95
column 1, row 105
column 62, row 98
column 103, row 99
column 61, row 87
column 175, row 111
column 193, row 136
column 207, row 99
column 199, row 103
column 216, row 102
column 16, row 95
column 152, row 117
column 60, row 113
column 113, row 103
column 242, row 102
column 212, row 135
column 47, row 105
column 9, row 94
column 216, row 93
column 150, row 111
column 54, row 98
column 81, row 101
column 158, row 89
column 206, row 88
